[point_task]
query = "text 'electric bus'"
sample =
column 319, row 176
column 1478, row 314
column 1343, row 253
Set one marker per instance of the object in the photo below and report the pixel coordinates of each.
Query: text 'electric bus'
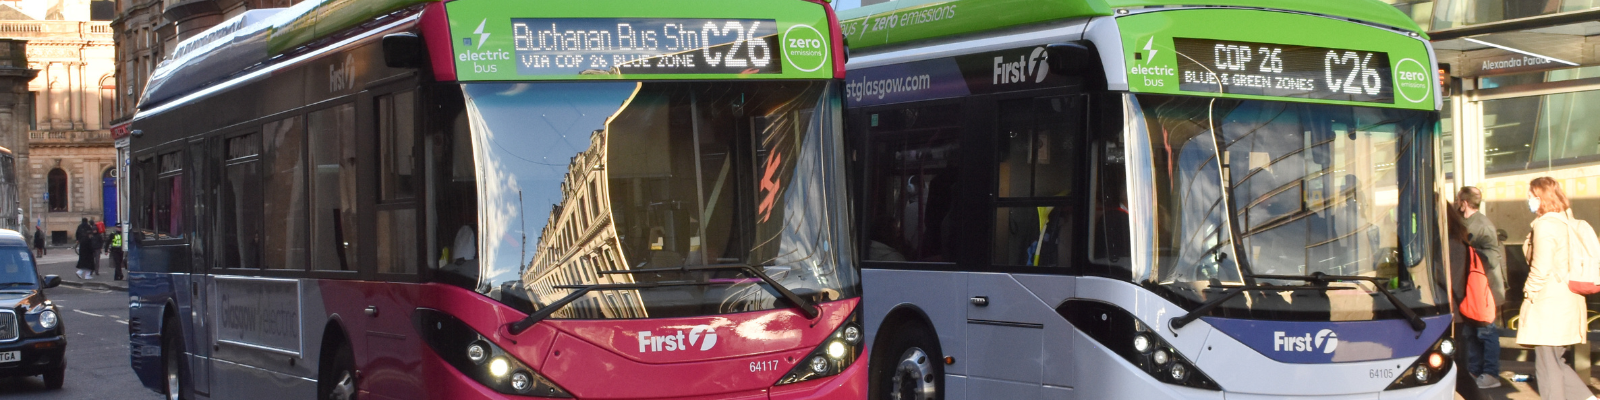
column 1145, row 199
column 400, row 199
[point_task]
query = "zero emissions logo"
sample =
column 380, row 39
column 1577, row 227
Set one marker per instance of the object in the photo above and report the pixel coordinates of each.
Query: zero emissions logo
column 1412, row 80
column 805, row 48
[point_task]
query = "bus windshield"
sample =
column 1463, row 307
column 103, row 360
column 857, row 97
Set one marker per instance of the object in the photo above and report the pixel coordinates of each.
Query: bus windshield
column 582, row 183
column 1246, row 189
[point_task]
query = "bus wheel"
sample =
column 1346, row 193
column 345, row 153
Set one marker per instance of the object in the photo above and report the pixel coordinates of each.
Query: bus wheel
column 338, row 380
column 919, row 371
column 172, row 359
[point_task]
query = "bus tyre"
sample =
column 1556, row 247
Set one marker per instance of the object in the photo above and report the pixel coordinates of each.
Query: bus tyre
column 338, row 376
column 917, row 370
column 171, row 361
column 56, row 378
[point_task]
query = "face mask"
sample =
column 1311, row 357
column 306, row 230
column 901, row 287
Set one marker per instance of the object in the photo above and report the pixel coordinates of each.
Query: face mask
column 1533, row 205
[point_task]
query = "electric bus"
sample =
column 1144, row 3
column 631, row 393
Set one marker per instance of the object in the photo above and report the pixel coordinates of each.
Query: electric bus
column 401, row 199
column 1146, row 199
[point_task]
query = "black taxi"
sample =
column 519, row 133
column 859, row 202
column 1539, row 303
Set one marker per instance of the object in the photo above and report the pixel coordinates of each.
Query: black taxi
column 32, row 338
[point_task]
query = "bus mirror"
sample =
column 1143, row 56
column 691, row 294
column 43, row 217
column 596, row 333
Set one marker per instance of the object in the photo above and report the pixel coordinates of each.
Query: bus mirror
column 402, row 50
column 1072, row 59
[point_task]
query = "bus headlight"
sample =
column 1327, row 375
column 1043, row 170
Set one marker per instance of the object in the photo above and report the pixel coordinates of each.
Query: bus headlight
column 1141, row 343
column 837, row 352
column 1429, row 368
column 480, row 359
column 477, row 352
column 1123, row 334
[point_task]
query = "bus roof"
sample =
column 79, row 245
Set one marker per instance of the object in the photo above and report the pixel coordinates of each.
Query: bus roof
column 911, row 20
column 253, row 37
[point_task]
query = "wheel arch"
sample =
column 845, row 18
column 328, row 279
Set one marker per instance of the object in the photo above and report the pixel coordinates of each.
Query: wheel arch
column 900, row 317
column 333, row 335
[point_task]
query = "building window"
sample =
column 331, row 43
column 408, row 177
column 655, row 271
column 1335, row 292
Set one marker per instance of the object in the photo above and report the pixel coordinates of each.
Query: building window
column 1540, row 132
column 33, row 111
column 57, row 192
column 108, row 101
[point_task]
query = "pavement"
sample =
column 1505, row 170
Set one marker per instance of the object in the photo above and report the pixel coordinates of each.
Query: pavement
column 61, row 261
column 1515, row 361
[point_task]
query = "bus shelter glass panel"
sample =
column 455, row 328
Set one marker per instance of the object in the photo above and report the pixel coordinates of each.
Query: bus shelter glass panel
column 612, row 182
column 1246, row 188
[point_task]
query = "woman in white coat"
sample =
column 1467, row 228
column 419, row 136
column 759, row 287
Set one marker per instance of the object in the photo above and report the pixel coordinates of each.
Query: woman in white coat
column 1552, row 315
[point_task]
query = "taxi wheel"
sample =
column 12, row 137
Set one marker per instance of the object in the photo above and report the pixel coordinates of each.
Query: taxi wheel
column 56, row 378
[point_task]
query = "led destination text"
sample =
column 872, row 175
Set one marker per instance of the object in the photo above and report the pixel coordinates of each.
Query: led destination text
column 1215, row 66
column 545, row 46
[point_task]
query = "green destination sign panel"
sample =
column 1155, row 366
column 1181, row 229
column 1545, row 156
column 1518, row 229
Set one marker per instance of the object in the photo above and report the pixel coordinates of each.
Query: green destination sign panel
column 610, row 39
column 1277, row 55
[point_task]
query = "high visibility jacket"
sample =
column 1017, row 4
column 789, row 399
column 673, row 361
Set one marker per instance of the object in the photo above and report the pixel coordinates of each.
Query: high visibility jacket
column 116, row 240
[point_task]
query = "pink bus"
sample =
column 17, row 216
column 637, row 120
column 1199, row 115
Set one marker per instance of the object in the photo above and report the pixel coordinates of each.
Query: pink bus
column 401, row 199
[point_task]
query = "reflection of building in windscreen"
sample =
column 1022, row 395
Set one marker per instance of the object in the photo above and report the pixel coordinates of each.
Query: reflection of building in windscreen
column 579, row 241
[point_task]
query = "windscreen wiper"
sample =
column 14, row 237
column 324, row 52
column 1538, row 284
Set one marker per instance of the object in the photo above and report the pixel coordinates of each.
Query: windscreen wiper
column 1417, row 324
column 806, row 308
column 542, row 313
column 1234, row 291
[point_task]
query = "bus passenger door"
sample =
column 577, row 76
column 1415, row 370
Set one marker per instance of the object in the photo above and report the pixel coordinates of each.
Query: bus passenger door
column 388, row 125
column 1017, row 345
column 202, row 157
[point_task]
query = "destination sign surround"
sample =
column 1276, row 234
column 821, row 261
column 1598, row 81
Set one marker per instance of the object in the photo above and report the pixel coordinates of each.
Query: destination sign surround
column 572, row 46
column 1215, row 66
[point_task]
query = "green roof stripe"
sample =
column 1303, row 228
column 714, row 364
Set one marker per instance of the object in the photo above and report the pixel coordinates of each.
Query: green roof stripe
column 910, row 20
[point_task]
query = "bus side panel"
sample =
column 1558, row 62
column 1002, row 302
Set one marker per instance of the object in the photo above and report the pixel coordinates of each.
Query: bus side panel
column 939, row 295
column 237, row 381
column 255, row 352
column 386, row 346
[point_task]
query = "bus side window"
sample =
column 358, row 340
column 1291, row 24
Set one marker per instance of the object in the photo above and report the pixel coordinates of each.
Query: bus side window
column 1039, row 158
column 169, row 195
column 283, row 199
column 239, row 208
column 334, row 243
column 914, row 160
column 143, row 171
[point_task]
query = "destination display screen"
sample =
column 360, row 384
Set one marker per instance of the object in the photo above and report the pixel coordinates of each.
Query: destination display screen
column 563, row 46
column 1216, row 66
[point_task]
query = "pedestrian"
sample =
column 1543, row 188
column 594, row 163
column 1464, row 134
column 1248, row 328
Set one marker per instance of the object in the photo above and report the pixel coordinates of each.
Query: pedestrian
column 38, row 241
column 1482, row 341
column 96, row 243
column 84, row 235
column 1456, row 243
column 1552, row 315
column 116, row 251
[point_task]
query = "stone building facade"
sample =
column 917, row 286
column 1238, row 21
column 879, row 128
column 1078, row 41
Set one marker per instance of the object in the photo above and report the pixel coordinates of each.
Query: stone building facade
column 64, row 165
column 15, row 109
